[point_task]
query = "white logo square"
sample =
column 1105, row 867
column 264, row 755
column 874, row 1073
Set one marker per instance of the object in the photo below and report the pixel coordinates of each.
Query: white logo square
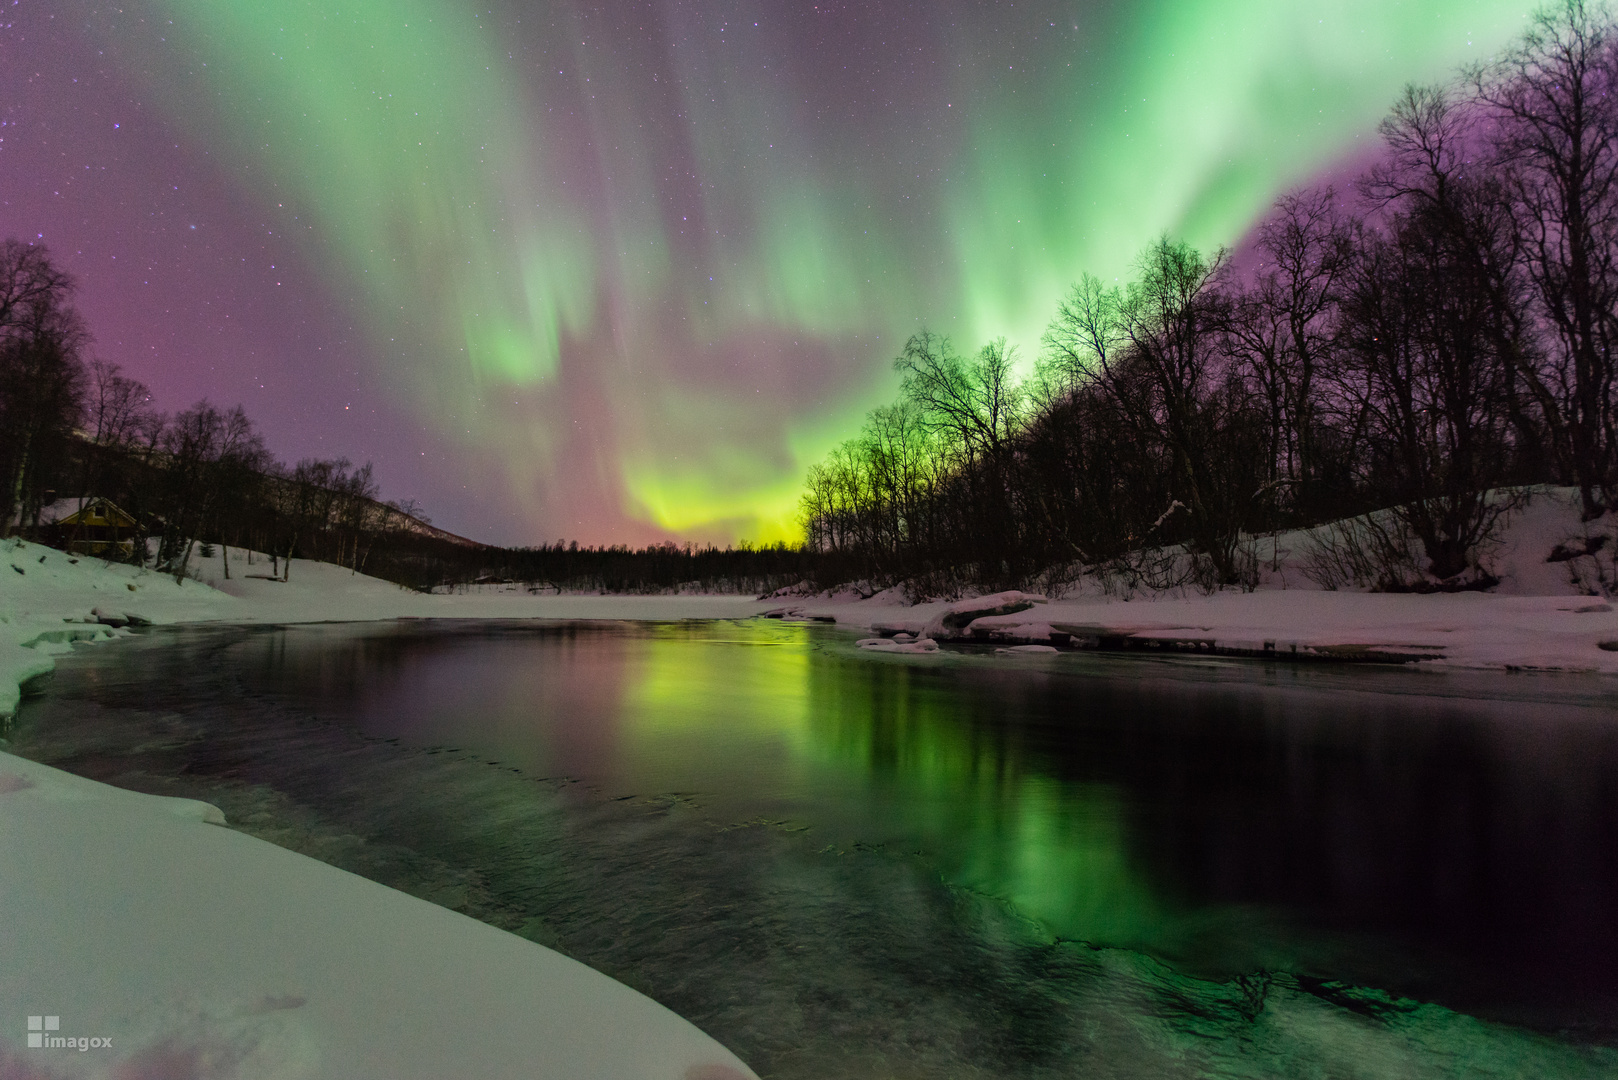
column 36, row 1023
column 36, row 1040
column 53, row 1023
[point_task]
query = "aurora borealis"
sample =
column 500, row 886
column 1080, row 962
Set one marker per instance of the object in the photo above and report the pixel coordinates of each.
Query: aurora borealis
column 621, row 271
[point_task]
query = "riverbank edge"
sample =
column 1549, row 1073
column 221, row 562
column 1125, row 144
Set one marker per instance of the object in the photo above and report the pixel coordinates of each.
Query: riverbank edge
column 1537, row 620
column 186, row 951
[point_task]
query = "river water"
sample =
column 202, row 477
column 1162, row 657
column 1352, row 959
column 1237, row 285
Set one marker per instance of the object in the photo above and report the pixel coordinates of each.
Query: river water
column 970, row 865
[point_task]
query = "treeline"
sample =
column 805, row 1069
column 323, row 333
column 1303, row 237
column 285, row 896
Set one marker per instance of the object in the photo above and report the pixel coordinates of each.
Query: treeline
column 660, row 568
column 73, row 429
column 1446, row 330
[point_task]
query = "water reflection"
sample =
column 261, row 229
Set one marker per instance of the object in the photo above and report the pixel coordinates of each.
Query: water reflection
column 949, row 774
column 814, row 831
column 760, row 722
column 1394, row 828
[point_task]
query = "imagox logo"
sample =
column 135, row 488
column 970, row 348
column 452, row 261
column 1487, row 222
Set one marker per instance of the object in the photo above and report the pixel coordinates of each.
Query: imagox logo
column 43, row 1035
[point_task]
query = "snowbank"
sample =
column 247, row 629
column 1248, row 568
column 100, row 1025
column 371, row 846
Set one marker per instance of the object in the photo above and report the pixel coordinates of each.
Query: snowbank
column 48, row 600
column 1549, row 633
column 170, row 948
column 202, row 952
column 1541, row 616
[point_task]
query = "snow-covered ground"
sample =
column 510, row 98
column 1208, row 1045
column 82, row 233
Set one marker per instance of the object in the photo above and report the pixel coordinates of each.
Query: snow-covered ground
column 1542, row 615
column 200, row 951
column 1541, row 633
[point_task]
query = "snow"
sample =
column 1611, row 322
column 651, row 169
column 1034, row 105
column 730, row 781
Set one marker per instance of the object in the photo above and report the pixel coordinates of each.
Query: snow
column 1542, row 615
column 199, row 952
column 963, row 613
column 1550, row 633
column 894, row 645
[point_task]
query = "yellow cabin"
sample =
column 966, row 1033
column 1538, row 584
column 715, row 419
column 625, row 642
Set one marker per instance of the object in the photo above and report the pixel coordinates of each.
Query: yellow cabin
column 97, row 528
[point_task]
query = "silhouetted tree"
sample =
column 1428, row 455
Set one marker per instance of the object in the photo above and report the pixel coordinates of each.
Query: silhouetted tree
column 1428, row 347
column 212, row 460
column 1552, row 101
column 1281, row 331
column 41, row 376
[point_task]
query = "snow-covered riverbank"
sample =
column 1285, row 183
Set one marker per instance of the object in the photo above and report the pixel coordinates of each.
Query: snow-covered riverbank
column 148, row 942
column 1471, row 630
column 49, row 600
column 197, row 951
column 1541, row 616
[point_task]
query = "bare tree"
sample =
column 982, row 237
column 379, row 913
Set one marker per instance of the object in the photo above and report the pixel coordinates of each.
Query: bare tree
column 1553, row 100
column 357, row 515
column 212, row 458
column 1282, row 331
column 1426, row 358
column 976, row 404
column 904, row 471
column 29, row 282
column 116, row 407
column 118, row 416
column 41, row 373
column 1155, row 349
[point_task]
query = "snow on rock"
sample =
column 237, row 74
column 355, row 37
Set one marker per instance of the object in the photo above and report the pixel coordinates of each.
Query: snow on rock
column 894, row 627
column 962, row 613
column 1000, row 629
column 893, row 645
column 795, row 614
column 201, row 952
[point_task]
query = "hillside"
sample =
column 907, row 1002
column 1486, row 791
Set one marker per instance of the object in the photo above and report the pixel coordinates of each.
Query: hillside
column 1549, row 610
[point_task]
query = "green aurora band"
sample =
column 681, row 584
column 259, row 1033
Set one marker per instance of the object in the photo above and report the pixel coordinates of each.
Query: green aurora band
column 649, row 262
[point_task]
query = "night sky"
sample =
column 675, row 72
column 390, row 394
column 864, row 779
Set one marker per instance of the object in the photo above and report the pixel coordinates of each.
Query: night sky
column 618, row 272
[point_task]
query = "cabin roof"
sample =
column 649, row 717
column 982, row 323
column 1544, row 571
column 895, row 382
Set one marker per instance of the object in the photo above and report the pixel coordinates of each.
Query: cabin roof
column 69, row 512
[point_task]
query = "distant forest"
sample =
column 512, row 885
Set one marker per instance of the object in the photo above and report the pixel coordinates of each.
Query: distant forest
column 74, row 429
column 1443, row 331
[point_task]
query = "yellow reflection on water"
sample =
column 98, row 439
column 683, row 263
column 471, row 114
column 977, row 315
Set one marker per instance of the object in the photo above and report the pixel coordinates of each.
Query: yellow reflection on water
column 934, row 770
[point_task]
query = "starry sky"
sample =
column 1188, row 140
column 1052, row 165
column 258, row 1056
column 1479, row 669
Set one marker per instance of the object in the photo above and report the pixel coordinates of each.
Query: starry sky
column 620, row 271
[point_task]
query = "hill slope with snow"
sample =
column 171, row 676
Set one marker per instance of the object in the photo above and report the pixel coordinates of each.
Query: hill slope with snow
column 1550, row 610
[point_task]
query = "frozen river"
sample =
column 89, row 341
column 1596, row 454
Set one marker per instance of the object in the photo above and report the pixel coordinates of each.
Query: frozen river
column 845, row 865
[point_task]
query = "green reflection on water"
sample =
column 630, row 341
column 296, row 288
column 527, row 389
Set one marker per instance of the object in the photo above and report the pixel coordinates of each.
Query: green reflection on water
column 934, row 772
column 979, row 803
